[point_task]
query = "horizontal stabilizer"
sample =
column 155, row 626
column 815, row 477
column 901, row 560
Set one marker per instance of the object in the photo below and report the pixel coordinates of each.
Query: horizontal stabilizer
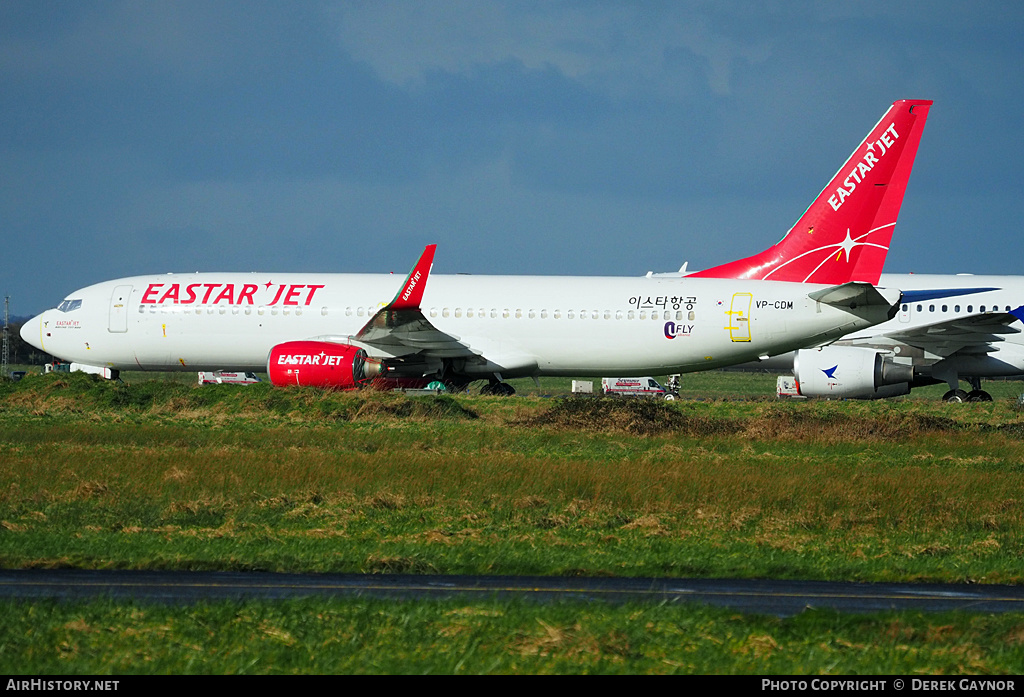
column 854, row 295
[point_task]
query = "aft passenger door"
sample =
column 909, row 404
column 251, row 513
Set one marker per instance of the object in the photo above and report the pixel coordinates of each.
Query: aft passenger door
column 119, row 309
column 739, row 316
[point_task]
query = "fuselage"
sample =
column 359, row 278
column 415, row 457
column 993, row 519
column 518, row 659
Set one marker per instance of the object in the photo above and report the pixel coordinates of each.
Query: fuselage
column 519, row 325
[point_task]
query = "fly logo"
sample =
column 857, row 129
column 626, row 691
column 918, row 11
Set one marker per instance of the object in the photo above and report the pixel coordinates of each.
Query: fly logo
column 672, row 330
column 867, row 163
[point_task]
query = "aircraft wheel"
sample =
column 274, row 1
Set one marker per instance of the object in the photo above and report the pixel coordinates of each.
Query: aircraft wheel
column 503, row 389
column 669, row 397
column 498, row 389
column 979, row 396
column 955, row 396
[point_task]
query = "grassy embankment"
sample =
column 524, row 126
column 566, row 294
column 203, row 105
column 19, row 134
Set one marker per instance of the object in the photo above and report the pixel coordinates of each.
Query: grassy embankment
column 164, row 475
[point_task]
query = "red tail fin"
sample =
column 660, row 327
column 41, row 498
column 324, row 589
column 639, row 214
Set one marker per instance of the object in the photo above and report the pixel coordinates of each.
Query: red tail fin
column 845, row 234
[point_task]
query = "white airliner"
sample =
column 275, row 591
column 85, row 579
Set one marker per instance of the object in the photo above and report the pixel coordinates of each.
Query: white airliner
column 340, row 330
column 947, row 329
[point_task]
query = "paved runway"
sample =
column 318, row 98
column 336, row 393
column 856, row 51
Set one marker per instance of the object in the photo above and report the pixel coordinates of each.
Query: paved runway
column 780, row 598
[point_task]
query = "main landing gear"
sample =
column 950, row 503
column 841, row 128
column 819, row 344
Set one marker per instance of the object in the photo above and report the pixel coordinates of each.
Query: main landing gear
column 975, row 395
column 498, row 389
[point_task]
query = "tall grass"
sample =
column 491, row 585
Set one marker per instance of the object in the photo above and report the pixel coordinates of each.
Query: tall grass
column 173, row 476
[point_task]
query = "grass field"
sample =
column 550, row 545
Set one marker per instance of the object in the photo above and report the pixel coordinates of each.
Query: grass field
column 163, row 474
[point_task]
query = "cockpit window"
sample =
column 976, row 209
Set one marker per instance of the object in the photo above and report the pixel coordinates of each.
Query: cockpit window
column 69, row 305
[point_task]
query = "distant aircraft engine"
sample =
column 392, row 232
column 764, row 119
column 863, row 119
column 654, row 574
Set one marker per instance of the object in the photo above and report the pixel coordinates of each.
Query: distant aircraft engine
column 850, row 372
column 321, row 364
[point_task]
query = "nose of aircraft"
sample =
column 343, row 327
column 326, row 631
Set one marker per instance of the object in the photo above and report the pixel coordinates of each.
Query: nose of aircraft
column 31, row 332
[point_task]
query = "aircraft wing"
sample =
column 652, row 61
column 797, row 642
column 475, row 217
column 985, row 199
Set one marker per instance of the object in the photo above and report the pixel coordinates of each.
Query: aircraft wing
column 971, row 334
column 400, row 327
column 401, row 332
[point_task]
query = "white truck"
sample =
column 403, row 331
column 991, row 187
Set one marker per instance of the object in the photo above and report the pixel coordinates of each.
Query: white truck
column 223, row 377
column 787, row 387
column 635, row 387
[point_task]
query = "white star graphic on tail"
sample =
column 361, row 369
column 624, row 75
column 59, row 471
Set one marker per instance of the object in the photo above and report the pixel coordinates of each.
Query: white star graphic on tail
column 848, row 244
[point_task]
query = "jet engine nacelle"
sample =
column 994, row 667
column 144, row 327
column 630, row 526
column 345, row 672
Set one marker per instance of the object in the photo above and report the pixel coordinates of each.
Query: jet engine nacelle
column 321, row 364
column 850, row 372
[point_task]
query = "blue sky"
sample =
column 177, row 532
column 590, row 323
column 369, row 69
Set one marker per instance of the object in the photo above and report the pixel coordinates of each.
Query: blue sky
column 607, row 138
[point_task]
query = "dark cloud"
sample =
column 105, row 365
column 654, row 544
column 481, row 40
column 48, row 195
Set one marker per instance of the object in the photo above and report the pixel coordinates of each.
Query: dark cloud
column 569, row 137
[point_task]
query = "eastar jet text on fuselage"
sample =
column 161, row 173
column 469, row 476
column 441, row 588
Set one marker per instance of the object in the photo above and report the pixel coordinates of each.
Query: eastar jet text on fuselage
column 294, row 295
column 342, row 331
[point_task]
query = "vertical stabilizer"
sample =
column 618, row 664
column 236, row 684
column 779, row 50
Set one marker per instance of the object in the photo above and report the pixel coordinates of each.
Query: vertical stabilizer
column 845, row 233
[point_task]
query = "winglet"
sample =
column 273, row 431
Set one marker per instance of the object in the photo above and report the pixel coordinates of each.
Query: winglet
column 845, row 233
column 411, row 293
